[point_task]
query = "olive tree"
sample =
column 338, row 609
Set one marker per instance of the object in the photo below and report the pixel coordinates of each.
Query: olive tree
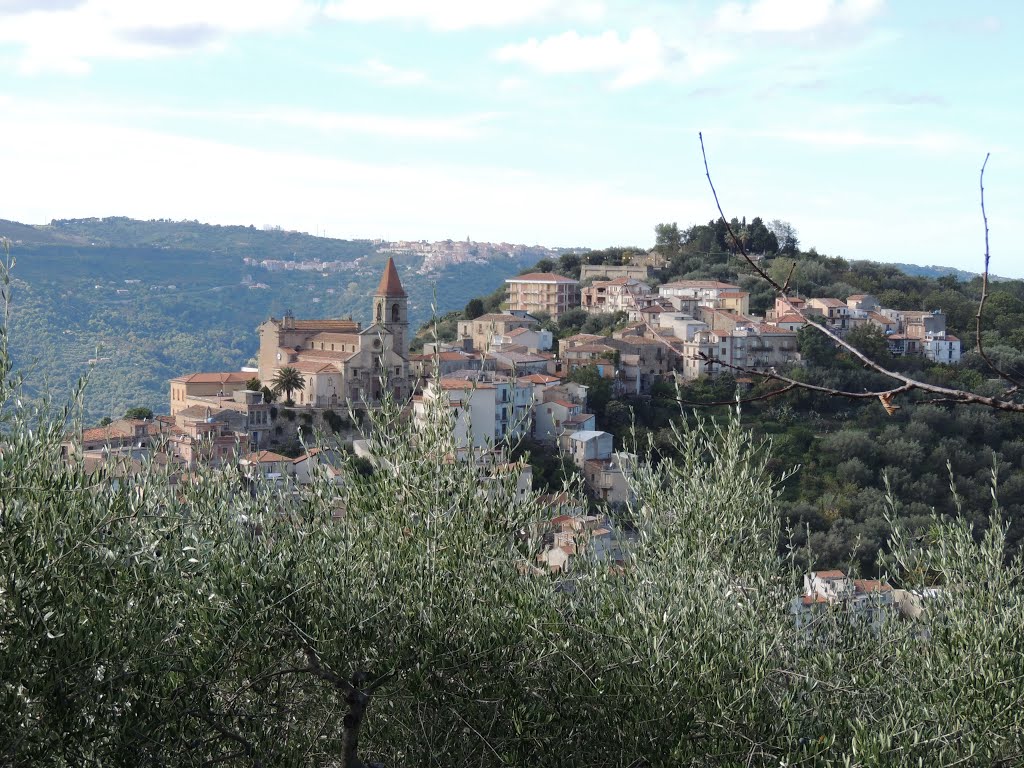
column 176, row 618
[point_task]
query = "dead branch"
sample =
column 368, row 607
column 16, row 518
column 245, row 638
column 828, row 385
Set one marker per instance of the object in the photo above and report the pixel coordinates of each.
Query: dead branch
column 1014, row 383
column 906, row 383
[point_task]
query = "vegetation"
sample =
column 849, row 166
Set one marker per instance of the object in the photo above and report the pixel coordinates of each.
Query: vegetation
column 287, row 380
column 397, row 619
column 136, row 303
column 836, row 505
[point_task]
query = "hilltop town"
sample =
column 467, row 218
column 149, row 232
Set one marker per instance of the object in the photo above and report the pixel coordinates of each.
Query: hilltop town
column 505, row 378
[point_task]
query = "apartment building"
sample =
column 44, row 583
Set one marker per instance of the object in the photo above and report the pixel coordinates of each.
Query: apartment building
column 485, row 329
column 543, row 292
column 622, row 294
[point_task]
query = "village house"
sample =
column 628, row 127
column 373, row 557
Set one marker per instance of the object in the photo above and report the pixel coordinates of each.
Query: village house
column 196, row 388
column 543, row 292
column 524, row 339
column 864, row 302
column 560, row 411
column 488, row 408
column 618, row 295
column 482, row 330
column 631, row 271
column 573, row 534
column 203, row 437
column 836, row 314
column 706, row 290
column 867, row 601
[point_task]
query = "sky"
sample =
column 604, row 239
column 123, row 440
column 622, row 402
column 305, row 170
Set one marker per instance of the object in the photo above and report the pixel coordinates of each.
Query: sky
column 864, row 123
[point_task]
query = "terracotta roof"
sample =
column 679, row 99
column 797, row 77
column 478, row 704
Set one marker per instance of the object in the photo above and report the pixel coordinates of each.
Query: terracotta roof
column 856, row 296
column 579, row 418
column 452, row 383
column 541, row 277
column 390, row 285
column 230, row 377
column 830, row 574
column 519, row 331
column 830, row 302
column 564, row 403
column 810, row 599
column 200, row 411
column 870, row 585
column 790, row 318
column 341, row 326
column 592, row 348
column 325, row 354
column 329, row 336
column 266, row 457
column 540, row 378
column 308, row 454
column 313, row 366
column 110, row 431
column 772, row 330
column 584, row 337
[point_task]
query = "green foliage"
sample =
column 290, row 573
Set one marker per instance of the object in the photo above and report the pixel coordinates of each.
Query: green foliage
column 195, row 305
column 287, row 380
column 869, row 340
column 815, row 347
column 474, row 308
column 254, row 384
column 333, row 420
column 138, row 412
column 151, row 624
column 668, row 240
column 599, row 388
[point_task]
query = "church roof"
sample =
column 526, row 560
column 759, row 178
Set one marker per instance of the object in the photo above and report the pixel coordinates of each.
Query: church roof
column 390, row 284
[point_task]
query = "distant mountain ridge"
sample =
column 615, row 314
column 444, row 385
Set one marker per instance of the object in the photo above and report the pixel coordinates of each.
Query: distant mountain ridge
column 916, row 270
column 134, row 303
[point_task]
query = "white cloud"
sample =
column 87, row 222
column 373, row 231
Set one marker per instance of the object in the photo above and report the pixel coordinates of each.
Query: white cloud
column 463, row 14
column 794, row 15
column 639, row 58
column 854, row 138
column 633, row 60
column 448, row 128
column 80, row 167
column 66, row 37
column 386, row 74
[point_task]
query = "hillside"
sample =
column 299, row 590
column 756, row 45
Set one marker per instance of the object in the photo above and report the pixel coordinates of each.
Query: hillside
column 135, row 303
column 846, row 452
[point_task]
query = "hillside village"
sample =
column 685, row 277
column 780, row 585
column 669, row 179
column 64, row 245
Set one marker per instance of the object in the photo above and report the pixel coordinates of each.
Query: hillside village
column 503, row 379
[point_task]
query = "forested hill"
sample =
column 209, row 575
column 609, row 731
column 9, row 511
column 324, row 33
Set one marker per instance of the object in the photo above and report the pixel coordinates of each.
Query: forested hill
column 149, row 300
column 846, row 451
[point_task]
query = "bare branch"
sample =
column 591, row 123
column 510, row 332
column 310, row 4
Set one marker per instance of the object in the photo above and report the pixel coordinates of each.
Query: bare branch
column 739, row 401
column 907, row 383
column 984, row 289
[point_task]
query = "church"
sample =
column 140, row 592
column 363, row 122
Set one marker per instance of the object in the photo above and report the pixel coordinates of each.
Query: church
column 339, row 360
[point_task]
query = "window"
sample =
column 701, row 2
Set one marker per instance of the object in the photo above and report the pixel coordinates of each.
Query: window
column 396, row 313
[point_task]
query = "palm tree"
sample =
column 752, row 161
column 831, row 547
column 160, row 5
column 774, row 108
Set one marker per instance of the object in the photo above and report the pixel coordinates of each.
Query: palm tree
column 286, row 380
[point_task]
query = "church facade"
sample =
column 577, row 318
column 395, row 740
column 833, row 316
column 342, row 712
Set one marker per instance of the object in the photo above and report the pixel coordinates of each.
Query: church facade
column 340, row 360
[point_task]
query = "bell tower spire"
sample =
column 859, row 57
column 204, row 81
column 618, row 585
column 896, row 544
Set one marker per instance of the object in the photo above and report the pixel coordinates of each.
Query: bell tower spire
column 391, row 308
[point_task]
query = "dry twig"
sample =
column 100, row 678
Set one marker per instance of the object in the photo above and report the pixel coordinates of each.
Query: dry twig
column 906, row 383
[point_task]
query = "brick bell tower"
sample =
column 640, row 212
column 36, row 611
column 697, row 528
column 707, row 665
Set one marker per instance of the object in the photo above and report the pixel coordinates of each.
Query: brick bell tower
column 391, row 308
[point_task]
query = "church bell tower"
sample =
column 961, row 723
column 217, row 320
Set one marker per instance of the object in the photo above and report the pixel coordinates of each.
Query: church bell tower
column 391, row 308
